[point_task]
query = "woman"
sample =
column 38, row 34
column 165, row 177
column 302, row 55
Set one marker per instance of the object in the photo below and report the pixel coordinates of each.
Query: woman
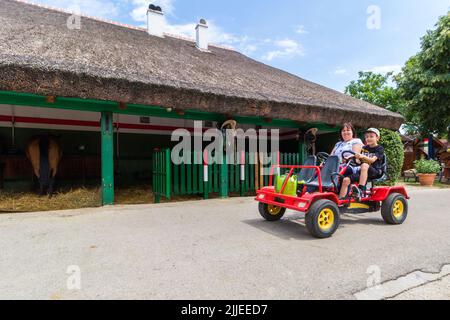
column 349, row 142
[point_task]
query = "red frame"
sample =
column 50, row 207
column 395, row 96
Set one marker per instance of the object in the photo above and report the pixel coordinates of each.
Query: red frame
column 303, row 203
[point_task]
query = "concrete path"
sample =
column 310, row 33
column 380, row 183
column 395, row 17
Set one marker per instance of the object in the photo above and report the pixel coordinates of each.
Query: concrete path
column 219, row 249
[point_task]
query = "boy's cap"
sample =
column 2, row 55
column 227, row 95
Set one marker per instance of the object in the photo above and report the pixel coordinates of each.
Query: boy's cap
column 376, row 131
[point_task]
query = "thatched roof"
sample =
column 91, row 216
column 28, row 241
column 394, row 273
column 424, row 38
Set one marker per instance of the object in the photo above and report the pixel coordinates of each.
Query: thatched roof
column 105, row 61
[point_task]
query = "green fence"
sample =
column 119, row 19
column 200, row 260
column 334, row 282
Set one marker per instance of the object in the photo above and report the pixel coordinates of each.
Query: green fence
column 162, row 177
column 189, row 179
column 284, row 159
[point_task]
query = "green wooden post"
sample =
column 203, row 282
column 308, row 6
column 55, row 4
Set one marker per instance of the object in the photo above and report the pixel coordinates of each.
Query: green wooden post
column 223, row 178
column 194, row 173
column 189, row 175
column 157, row 180
column 107, row 134
column 176, row 176
column 168, row 162
column 301, row 150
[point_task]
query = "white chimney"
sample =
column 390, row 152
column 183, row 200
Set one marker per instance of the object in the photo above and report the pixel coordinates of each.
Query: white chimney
column 202, row 35
column 155, row 21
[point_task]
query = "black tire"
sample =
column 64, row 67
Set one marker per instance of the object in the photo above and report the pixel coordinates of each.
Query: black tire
column 268, row 212
column 390, row 209
column 316, row 227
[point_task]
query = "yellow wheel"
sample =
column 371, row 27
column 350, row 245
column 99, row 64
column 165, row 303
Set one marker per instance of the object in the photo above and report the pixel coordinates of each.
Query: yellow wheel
column 326, row 219
column 322, row 219
column 398, row 209
column 271, row 212
column 394, row 209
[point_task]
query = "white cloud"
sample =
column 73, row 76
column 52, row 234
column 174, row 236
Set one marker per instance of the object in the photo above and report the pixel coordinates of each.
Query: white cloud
column 385, row 69
column 139, row 12
column 216, row 34
column 286, row 48
column 185, row 30
column 301, row 30
column 340, row 71
column 112, row 9
column 249, row 49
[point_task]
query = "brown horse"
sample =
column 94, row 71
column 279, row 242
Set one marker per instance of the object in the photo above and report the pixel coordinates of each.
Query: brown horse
column 44, row 153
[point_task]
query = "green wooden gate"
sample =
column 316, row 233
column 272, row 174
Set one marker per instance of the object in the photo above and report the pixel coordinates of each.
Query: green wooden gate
column 205, row 179
column 162, row 178
column 189, row 179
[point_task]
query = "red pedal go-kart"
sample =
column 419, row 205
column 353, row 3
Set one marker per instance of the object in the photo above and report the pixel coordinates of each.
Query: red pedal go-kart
column 316, row 194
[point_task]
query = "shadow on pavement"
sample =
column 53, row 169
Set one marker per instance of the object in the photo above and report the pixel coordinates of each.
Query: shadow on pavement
column 287, row 228
column 374, row 220
column 293, row 226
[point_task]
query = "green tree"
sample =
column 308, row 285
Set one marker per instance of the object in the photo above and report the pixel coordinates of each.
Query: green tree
column 424, row 82
column 376, row 89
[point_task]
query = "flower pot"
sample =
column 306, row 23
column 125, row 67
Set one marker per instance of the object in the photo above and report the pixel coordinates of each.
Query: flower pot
column 426, row 179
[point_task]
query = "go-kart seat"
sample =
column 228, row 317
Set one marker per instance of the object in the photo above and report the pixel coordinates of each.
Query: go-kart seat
column 307, row 175
column 384, row 177
column 329, row 174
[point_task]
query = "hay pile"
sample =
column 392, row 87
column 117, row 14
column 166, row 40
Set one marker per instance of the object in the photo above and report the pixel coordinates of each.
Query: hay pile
column 144, row 195
column 76, row 198
column 69, row 199
column 134, row 195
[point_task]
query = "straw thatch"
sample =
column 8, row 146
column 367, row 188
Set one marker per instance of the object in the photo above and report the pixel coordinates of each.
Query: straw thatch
column 40, row 54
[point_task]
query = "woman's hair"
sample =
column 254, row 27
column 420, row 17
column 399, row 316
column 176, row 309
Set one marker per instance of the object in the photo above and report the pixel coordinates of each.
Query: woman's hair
column 349, row 126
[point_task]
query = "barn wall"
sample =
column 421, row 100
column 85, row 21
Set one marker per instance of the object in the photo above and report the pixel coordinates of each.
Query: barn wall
column 81, row 154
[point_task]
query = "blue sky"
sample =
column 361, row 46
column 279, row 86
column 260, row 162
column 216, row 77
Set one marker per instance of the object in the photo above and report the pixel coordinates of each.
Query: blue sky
column 324, row 41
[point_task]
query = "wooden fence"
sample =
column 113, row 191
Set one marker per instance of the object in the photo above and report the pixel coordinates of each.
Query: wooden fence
column 205, row 179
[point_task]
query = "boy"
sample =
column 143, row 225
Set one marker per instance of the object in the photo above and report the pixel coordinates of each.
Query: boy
column 371, row 159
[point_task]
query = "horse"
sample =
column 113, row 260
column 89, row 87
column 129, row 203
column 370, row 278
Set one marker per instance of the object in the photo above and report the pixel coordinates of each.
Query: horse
column 310, row 139
column 44, row 153
column 228, row 129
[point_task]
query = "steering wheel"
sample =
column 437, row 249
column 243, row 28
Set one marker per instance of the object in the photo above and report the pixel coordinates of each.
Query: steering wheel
column 322, row 157
column 350, row 159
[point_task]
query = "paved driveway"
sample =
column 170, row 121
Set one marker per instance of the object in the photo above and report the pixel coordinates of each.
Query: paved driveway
column 213, row 249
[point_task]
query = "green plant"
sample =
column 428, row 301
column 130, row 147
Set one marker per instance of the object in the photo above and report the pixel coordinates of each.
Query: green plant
column 427, row 166
column 393, row 149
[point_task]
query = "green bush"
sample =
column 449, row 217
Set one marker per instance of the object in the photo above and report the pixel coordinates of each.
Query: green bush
column 393, row 148
column 427, row 166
